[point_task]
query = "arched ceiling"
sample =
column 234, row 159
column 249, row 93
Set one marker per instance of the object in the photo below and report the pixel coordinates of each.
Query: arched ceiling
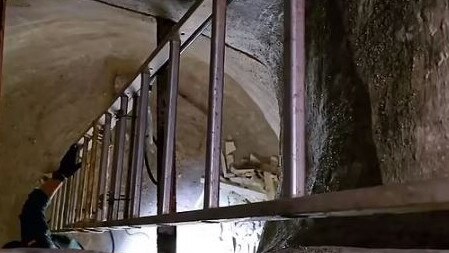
column 62, row 61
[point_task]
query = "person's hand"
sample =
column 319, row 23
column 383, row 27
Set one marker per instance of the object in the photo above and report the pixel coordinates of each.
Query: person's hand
column 68, row 165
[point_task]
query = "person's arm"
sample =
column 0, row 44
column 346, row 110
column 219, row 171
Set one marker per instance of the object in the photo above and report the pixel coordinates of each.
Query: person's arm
column 34, row 228
column 50, row 187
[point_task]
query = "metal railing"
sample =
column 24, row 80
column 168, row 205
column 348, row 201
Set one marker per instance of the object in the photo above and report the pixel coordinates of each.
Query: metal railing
column 92, row 199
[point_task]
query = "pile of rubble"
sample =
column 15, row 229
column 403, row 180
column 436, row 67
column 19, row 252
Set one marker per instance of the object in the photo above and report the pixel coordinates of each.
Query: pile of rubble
column 254, row 173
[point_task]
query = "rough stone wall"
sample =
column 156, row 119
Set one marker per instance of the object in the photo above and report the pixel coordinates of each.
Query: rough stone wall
column 253, row 28
column 377, row 86
column 62, row 64
column 59, row 72
column 401, row 51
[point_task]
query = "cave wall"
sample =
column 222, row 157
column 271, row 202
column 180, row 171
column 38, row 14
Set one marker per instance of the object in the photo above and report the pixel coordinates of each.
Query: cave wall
column 63, row 67
column 377, row 76
column 401, row 51
column 60, row 67
column 254, row 29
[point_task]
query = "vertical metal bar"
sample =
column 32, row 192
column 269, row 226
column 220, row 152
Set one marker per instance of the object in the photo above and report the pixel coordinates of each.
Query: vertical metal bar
column 92, row 197
column 293, row 148
column 63, row 209
column 77, row 197
column 129, row 173
column 139, row 144
column 71, row 194
column 57, row 210
column 68, row 182
column 164, row 26
column 74, row 190
column 170, row 128
column 61, row 206
column 166, row 235
column 119, row 152
column 50, row 224
column 54, row 210
column 131, row 179
column 102, row 185
column 214, row 120
column 83, row 172
column 86, row 176
column 76, row 181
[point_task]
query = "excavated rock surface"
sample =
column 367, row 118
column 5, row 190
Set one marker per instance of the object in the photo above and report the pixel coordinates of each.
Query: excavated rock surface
column 61, row 60
column 253, row 28
column 377, row 84
column 61, row 72
column 377, row 76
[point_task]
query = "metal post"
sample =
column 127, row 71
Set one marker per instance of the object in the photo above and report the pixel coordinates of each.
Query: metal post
column 68, row 202
column 139, row 144
column 63, row 207
column 82, row 176
column 57, row 210
column 170, row 128
column 92, row 197
column 87, row 179
column 214, row 120
column 166, row 235
column 71, row 194
column 53, row 212
column 293, row 148
column 129, row 173
column 118, row 159
column 76, row 179
column 79, row 178
column 103, row 182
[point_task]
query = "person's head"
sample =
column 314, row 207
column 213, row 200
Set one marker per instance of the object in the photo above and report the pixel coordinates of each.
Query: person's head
column 12, row 245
